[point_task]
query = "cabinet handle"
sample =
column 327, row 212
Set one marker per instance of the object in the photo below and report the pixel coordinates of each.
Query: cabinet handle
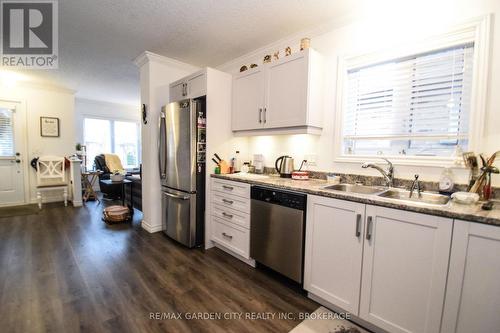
column 230, row 188
column 260, row 115
column 230, row 202
column 358, row 225
column 229, row 216
column 227, row 236
column 369, row 225
column 265, row 115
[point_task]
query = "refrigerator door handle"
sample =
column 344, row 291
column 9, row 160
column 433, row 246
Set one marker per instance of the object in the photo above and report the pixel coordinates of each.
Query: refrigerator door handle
column 182, row 197
column 161, row 146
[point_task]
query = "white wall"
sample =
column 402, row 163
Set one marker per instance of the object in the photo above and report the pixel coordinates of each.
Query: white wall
column 156, row 73
column 378, row 25
column 92, row 108
column 44, row 101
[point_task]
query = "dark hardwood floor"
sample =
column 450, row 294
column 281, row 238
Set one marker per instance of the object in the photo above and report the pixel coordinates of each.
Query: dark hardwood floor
column 64, row 270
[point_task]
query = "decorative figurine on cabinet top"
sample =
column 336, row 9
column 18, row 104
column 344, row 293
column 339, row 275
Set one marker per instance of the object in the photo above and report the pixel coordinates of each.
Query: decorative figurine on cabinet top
column 305, row 43
column 276, row 55
column 253, row 65
column 243, row 68
column 288, row 51
column 267, row 58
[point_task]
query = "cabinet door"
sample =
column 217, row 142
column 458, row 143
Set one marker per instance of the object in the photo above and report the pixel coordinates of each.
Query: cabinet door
column 405, row 263
column 196, row 86
column 334, row 249
column 177, row 92
column 286, row 93
column 248, row 100
column 473, row 291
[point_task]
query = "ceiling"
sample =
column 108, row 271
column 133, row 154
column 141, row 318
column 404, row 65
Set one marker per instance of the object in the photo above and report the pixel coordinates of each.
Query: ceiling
column 99, row 39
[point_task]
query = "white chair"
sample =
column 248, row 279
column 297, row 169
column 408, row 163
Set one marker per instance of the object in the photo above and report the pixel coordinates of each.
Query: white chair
column 50, row 176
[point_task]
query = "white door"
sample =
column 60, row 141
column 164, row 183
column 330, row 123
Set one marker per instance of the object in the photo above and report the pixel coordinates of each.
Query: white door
column 405, row 263
column 334, row 250
column 248, row 100
column 473, row 291
column 11, row 159
column 286, row 95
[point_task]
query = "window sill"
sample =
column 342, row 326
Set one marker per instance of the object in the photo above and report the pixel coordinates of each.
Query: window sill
column 442, row 162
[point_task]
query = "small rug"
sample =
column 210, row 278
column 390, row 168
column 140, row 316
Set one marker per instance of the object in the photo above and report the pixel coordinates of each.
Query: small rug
column 19, row 210
column 325, row 321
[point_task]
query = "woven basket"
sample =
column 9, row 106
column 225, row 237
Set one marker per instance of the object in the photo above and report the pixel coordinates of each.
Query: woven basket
column 116, row 214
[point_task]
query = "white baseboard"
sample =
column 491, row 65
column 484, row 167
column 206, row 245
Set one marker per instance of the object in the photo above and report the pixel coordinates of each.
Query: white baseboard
column 149, row 228
column 77, row 203
column 47, row 200
column 250, row 262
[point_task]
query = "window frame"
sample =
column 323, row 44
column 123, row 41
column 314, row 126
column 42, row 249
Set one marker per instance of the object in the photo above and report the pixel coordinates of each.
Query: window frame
column 476, row 31
column 112, row 121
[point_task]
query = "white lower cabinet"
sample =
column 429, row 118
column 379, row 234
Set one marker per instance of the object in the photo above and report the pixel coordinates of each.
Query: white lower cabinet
column 233, row 237
column 473, row 292
column 385, row 266
column 405, row 264
column 334, row 250
column 230, row 217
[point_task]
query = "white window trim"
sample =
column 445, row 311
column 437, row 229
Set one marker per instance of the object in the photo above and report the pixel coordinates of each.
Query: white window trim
column 113, row 119
column 478, row 31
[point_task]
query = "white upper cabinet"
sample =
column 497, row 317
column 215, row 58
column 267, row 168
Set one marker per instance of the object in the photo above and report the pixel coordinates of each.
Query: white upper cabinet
column 177, row 91
column 334, row 250
column 284, row 96
column 248, row 99
column 197, row 85
column 192, row 86
column 405, row 265
column 473, row 292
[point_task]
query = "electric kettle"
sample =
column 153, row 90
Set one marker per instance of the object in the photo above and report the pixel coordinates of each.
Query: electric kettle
column 284, row 166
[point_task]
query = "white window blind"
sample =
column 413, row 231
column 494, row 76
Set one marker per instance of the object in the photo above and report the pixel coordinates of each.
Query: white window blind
column 417, row 105
column 6, row 133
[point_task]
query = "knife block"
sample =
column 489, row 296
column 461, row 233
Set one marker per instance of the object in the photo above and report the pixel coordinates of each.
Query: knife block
column 224, row 167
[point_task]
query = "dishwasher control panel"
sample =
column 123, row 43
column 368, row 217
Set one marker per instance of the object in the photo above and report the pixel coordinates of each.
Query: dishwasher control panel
column 279, row 197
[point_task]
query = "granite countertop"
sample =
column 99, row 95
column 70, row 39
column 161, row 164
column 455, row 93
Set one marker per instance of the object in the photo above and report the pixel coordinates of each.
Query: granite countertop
column 472, row 213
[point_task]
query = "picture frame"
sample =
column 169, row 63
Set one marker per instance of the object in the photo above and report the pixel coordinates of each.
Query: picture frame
column 49, row 127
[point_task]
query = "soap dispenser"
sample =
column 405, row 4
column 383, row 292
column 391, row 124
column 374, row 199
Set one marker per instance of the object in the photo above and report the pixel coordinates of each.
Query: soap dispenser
column 446, row 182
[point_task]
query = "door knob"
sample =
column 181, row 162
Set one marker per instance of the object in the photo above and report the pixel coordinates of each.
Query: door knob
column 18, row 161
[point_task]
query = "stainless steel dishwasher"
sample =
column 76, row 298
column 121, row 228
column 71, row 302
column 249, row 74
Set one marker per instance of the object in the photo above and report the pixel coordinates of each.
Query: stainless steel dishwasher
column 277, row 230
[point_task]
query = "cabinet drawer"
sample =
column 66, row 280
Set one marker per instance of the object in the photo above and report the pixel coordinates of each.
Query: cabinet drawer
column 231, row 216
column 236, row 239
column 230, row 187
column 231, row 201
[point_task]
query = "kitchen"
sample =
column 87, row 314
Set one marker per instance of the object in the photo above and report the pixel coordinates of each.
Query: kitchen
column 362, row 214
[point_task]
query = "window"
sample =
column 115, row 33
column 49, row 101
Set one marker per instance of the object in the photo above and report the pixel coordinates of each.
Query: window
column 418, row 105
column 6, row 133
column 112, row 136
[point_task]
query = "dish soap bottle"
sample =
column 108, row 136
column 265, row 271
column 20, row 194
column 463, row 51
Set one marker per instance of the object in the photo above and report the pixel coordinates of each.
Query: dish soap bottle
column 237, row 162
column 446, row 182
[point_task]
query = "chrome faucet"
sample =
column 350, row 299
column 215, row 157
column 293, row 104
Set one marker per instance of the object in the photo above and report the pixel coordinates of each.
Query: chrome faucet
column 388, row 175
column 416, row 186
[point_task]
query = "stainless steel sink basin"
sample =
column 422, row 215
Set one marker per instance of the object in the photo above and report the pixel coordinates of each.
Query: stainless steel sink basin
column 353, row 188
column 425, row 197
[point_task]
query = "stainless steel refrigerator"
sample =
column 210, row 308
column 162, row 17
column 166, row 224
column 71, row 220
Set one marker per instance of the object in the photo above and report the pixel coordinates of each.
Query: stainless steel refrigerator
column 182, row 150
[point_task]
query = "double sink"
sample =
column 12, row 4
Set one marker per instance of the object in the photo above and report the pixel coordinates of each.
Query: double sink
column 392, row 193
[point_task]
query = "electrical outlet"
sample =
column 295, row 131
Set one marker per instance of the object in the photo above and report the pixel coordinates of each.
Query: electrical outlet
column 311, row 159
